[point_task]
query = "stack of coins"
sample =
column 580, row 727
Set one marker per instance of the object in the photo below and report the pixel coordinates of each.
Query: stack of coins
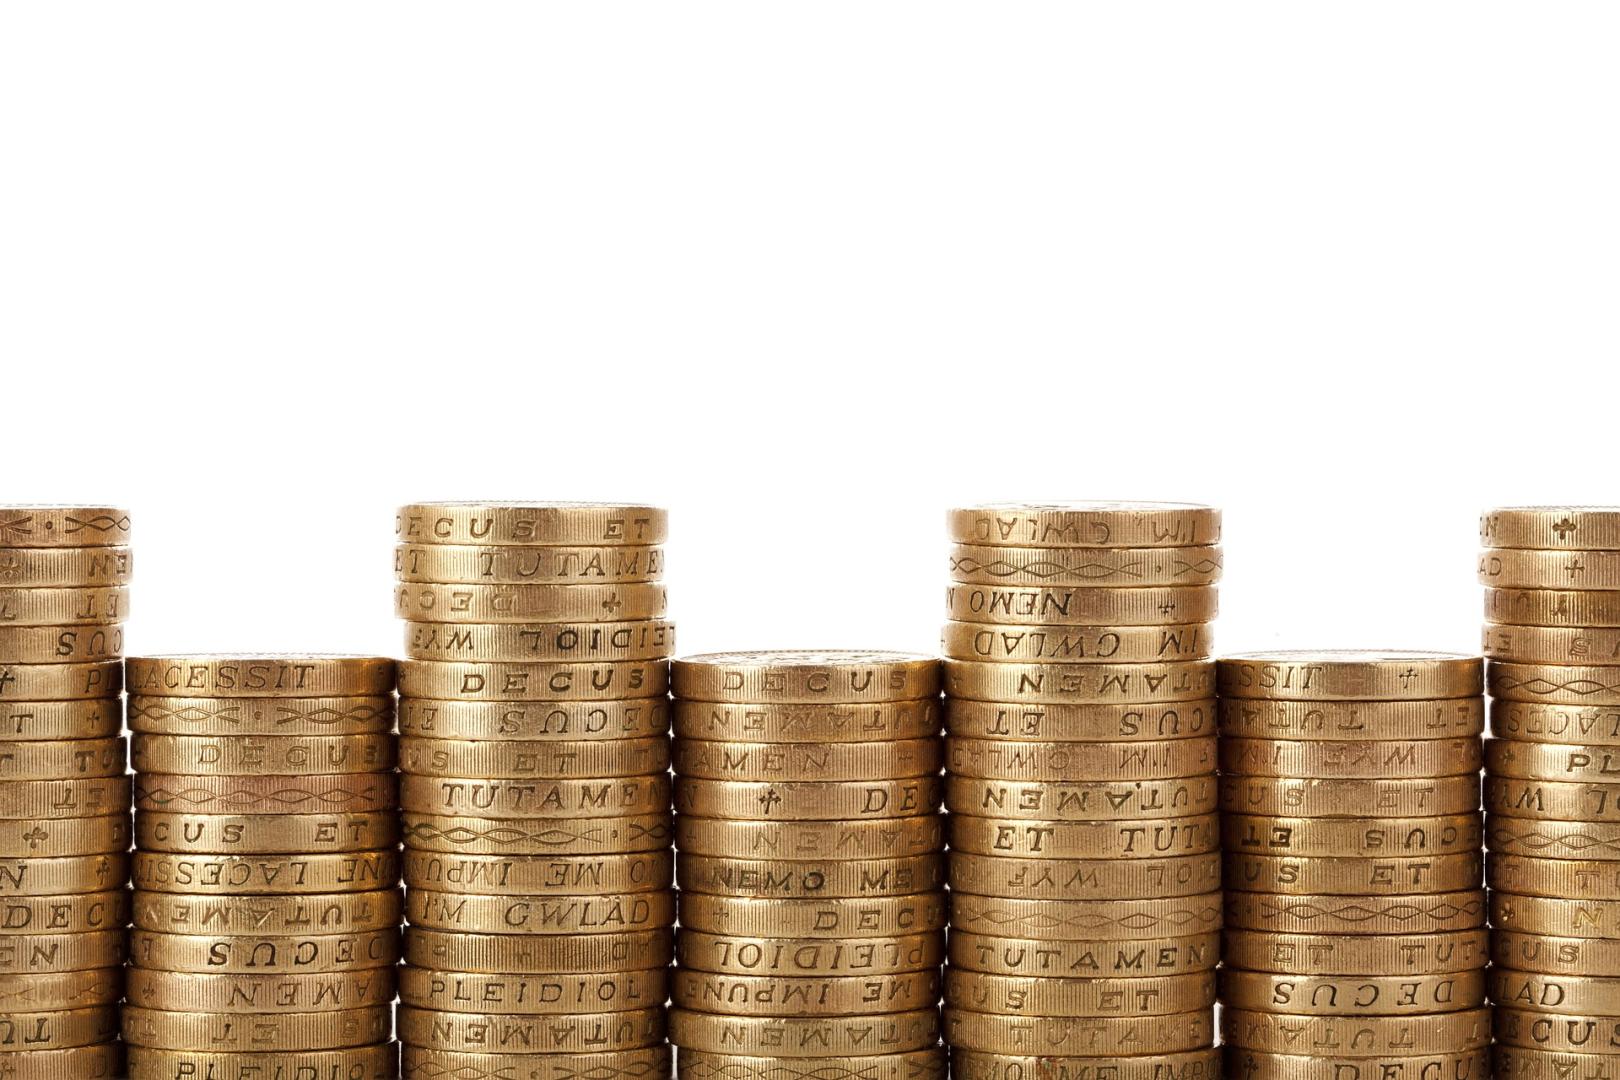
column 534, row 720
column 64, row 797
column 1355, row 942
column 1553, row 787
column 267, row 903
column 1085, row 864
column 812, row 880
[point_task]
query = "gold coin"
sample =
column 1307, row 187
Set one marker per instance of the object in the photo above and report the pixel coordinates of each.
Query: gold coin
column 821, row 917
column 1084, row 879
column 647, row 639
column 1081, row 684
column 601, row 914
column 1350, row 674
column 538, row 954
column 531, row 720
column 66, row 568
column 520, row 836
column 248, row 675
column 1079, row 920
column 1507, row 568
column 774, row 996
column 261, row 716
column 75, row 914
column 60, row 644
column 1144, row 838
column 49, row 721
column 33, row 1031
column 261, row 755
column 540, row 524
column 1555, row 916
column 416, row 602
column 64, row 837
column 517, row 760
column 1071, row 605
column 1552, row 644
column 68, row 759
column 1106, row 1038
column 1099, row 800
column 1540, row 761
column 62, row 990
column 41, row 526
column 266, row 875
column 1547, row 955
column 1114, row 567
column 609, row 797
column 804, row 1036
column 1191, row 1065
column 1284, row 797
column 1467, row 1065
column 831, row 878
column 1086, row 524
column 51, row 799
column 1563, row 684
column 1015, row 995
column 990, row 759
column 1562, row 1033
column 532, row 682
column 38, row 954
column 1519, row 1064
column 264, row 834
column 1550, row 527
column 889, row 839
column 809, row 800
column 311, row 913
column 61, row 682
column 758, row 761
column 459, row 992
column 267, row 954
column 99, row 1061
column 512, row 564
column 1375, row 877
column 250, row 993
column 1085, row 959
column 378, row 1062
column 1552, row 607
column 1416, row 913
column 1352, row 995
column 1546, row 800
column 62, row 876
column 882, row 721
column 564, row 875
column 1589, row 725
column 280, row 1031
column 1578, row 994
column 837, row 676
column 64, row 607
column 1351, row 760
column 1366, row 1036
column 1080, row 723
column 917, row 1065
column 1404, row 837
column 515, row 1033
column 1353, row 721
column 1553, row 839
column 1356, row 954
column 1572, row 879
column 1012, row 642
column 340, row 793
column 421, row 1063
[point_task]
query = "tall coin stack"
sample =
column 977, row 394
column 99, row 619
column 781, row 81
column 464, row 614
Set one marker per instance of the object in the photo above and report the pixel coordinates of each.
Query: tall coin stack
column 1552, row 787
column 1085, row 845
column 64, row 797
column 811, row 869
column 1355, row 922
column 534, row 721
column 267, row 903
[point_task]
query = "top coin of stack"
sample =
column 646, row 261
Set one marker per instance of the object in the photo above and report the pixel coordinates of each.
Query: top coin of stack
column 812, row 879
column 1552, row 608
column 64, row 796
column 1085, row 865
column 1350, row 800
column 534, row 723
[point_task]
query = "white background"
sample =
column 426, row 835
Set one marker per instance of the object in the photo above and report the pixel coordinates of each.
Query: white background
column 808, row 274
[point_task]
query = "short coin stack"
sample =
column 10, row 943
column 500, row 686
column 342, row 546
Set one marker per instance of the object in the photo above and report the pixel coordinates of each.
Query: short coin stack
column 534, row 720
column 1553, row 787
column 812, row 880
column 1355, row 940
column 64, row 797
column 267, row 903
column 1085, row 844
